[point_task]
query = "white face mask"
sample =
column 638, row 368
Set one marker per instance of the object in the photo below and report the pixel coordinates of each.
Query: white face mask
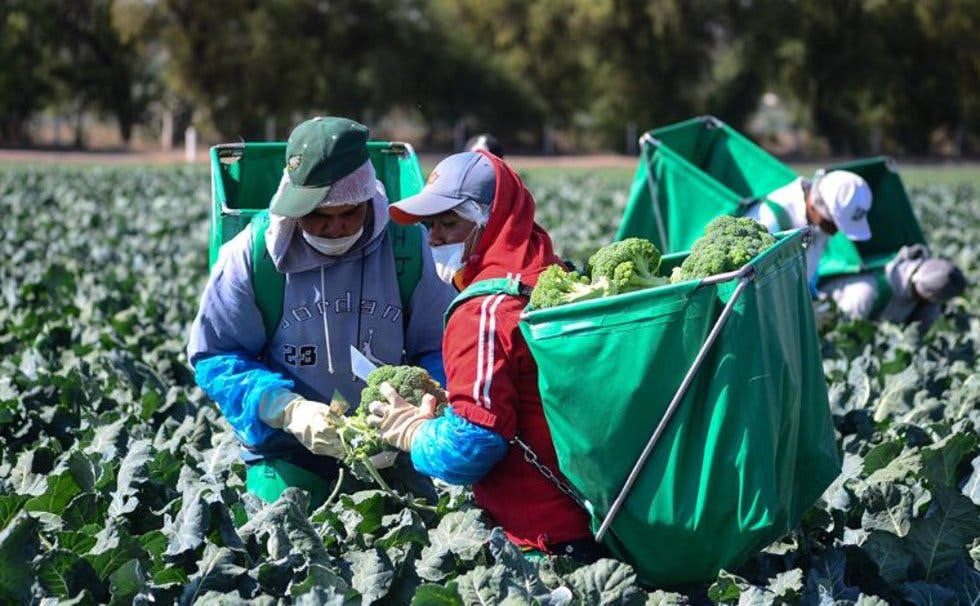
column 332, row 246
column 449, row 260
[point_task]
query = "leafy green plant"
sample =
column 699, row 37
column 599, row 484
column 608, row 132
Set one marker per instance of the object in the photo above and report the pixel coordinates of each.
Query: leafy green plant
column 120, row 482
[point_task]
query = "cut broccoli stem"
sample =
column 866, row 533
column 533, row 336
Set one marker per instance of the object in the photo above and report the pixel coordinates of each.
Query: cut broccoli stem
column 336, row 487
column 382, row 484
column 373, row 471
column 376, row 475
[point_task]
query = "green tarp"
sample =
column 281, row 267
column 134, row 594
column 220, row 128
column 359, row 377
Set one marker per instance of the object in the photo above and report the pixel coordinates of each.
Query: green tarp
column 693, row 171
column 697, row 170
column 751, row 445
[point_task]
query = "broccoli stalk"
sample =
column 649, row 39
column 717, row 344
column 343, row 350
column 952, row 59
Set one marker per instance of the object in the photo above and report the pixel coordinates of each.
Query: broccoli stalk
column 618, row 268
column 361, row 441
column 559, row 287
column 629, row 265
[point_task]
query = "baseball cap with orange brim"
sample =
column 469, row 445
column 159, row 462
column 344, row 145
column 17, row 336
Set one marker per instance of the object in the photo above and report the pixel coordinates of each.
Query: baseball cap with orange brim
column 458, row 178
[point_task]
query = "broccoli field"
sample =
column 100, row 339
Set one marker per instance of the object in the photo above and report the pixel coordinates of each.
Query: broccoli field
column 120, row 482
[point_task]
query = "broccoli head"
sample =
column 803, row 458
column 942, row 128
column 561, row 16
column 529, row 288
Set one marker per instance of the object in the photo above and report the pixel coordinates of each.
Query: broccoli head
column 556, row 286
column 629, row 264
column 360, row 439
column 728, row 243
column 411, row 383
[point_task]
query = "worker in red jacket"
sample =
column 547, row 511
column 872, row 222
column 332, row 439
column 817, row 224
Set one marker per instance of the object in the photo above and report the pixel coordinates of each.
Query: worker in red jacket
column 492, row 378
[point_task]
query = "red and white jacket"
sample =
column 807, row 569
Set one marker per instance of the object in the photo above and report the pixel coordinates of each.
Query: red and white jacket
column 493, row 380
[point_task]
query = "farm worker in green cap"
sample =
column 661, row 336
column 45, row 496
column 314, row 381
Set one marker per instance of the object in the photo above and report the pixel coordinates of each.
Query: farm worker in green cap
column 493, row 381
column 328, row 236
column 913, row 288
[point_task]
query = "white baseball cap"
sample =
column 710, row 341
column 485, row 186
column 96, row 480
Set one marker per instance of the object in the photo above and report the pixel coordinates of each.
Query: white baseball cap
column 848, row 198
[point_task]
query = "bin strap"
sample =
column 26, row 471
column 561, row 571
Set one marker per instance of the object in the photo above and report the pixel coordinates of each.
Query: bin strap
column 747, row 275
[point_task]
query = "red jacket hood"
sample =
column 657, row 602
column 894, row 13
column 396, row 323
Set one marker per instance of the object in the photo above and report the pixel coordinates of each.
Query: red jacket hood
column 512, row 242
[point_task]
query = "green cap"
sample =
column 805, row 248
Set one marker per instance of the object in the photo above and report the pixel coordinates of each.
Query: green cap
column 319, row 152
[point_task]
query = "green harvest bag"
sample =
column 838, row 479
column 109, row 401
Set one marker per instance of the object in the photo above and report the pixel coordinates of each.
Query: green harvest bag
column 267, row 479
column 750, row 445
column 695, row 171
column 701, row 168
column 892, row 220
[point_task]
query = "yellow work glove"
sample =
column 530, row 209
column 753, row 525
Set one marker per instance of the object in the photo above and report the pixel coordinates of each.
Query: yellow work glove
column 397, row 420
column 312, row 423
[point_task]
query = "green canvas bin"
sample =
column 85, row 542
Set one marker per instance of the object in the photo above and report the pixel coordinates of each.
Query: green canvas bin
column 720, row 383
column 701, row 168
column 691, row 172
column 244, row 177
column 892, row 220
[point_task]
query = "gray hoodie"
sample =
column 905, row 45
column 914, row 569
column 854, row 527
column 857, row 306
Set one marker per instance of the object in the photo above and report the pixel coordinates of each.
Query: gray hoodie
column 352, row 298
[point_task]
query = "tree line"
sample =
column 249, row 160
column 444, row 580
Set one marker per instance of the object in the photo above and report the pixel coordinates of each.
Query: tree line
column 899, row 75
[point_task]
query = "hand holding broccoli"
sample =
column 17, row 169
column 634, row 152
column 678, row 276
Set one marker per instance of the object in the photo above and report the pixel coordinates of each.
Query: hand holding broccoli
column 397, row 420
column 412, row 384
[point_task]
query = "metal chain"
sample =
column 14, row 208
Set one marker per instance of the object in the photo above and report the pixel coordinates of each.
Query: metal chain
column 531, row 457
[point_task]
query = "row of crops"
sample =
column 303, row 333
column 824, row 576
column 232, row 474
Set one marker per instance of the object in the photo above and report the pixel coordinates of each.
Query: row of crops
column 119, row 482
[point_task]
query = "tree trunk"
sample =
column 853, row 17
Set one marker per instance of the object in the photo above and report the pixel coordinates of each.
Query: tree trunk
column 125, row 127
column 80, row 128
column 958, row 139
column 631, row 139
column 270, row 128
column 459, row 135
column 190, row 144
column 167, row 130
column 547, row 140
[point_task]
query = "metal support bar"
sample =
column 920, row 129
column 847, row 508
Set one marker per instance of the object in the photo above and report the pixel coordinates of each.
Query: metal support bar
column 399, row 148
column 748, row 274
column 648, row 139
column 712, row 122
column 230, row 149
column 646, row 142
column 807, row 237
column 748, row 201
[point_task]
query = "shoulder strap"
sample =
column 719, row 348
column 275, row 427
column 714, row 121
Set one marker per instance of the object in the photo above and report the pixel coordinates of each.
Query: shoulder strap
column 406, row 243
column 494, row 286
column 268, row 284
column 782, row 217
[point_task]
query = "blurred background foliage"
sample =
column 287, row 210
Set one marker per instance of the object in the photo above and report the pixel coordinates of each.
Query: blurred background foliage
column 814, row 76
